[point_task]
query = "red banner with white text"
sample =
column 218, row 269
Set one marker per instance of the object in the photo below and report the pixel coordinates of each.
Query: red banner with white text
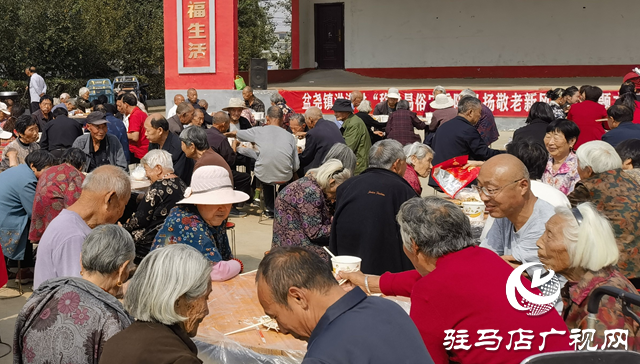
column 503, row 103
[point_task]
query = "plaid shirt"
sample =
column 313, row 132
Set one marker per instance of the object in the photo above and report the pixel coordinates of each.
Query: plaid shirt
column 575, row 298
column 401, row 124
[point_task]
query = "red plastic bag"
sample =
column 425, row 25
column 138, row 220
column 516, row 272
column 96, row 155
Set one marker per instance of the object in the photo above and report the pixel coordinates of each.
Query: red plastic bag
column 451, row 177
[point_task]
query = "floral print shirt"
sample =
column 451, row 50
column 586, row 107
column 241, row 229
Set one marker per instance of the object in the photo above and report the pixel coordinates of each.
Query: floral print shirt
column 575, row 296
column 558, row 112
column 67, row 320
column 184, row 225
column 152, row 211
column 566, row 177
column 302, row 217
column 617, row 196
column 58, row 188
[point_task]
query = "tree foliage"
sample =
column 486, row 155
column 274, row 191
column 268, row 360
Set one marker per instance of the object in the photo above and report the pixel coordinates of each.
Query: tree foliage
column 255, row 31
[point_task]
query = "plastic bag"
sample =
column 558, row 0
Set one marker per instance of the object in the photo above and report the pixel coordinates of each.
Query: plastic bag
column 451, row 177
column 239, row 82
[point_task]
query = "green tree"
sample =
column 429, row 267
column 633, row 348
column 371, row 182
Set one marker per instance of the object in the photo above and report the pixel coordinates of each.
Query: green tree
column 255, row 31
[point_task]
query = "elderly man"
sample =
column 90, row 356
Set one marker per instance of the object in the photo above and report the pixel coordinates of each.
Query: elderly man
column 115, row 127
column 322, row 135
column 364, row 223
column 218, row 141
column 356, row 98
column 192, row 97
column 616, row 195
column 195, row 146
column 157, row 132
column 64, row 99
column 251, row 101
column 297, row 289
column 60, row 133
column 298, row 126
column 204, row 106
column 183, row 116
column 43, row 115
column 620, row 119
column 138, row 143
column 388, row 106
column 278, row 157
column 486, row 126
column 101, row 148
column 402, row 123
column 198, row 118
column 37, row 88
column 238, row 122
column 177, row 100
column 520, row 217
column 355, row 133
column 105, row 193
column 458, row 137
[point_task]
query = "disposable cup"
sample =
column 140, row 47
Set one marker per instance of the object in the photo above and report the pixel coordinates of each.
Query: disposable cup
column 473, row 209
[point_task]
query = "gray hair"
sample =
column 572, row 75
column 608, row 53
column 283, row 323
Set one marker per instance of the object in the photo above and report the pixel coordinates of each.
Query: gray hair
column 331, row 169
column 314, row 113
column 438, row 227
column 221, row 117
column 598, row 155
column 107, row 248
column 418, row 149
column 83, row 90
column 195, row 136
column 467, row 92
column 592, row 244
column 440, row 89
column 467, row 104
column 158, row 157
column 275, row 112
column 184, row 108
column 344, row 154
column 276, row 98
column 73, row 101
column 365, row 106
column 403, row 105
column 163, row 276
column 108, row 178
column 385, row 153
column 299, row 118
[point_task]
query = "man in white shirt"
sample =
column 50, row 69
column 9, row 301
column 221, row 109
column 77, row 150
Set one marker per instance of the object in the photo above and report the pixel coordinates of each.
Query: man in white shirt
column 37, row 87
column 177, row 100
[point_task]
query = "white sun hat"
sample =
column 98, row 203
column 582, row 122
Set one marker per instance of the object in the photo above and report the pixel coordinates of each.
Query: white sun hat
column 393, row 94
column 235, row 103
column 4, row 108
column 211, row 185
column 5, row 134
column 442, row 101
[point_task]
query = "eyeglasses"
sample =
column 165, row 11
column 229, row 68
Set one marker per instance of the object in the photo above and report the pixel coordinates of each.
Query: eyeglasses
column 494, row 192
column 578, row 215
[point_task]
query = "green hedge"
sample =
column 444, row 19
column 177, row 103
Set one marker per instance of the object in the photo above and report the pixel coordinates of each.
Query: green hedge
column 56, row 86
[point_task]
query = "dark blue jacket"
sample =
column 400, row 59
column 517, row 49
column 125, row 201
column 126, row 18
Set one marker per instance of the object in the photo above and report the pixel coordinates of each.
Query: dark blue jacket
column 319, row 140
column 116, row 127
column 361, row 329
column 458, row 137
column 624, row 131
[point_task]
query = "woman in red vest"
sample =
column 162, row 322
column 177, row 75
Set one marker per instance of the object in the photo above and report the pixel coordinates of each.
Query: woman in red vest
column 586, row 115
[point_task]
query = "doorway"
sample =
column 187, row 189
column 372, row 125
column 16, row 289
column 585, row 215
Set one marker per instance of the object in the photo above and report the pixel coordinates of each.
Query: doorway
column 329, row 35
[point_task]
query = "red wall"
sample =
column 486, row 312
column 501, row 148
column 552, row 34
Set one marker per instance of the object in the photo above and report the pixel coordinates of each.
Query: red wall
column 226, row 50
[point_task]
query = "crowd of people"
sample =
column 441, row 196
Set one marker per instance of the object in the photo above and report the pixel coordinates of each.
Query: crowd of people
column 565, row 193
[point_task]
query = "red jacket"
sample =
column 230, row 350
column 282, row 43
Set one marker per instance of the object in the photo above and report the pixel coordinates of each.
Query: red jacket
column 136, row 123
column 467, row 291
column 636, row 113
column 585, row 114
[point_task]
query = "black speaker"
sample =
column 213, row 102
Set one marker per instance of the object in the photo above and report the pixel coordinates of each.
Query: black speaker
column 258, row 73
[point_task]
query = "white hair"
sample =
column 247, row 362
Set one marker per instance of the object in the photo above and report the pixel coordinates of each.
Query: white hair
column 107, row 248
column 440, row 88
column 158, row 157
column 64, row 95
column 163, row 276
column 331, row 169
column 598, row 155
column 365, row 106
column 83, row 90
column 467, row 92
column 418, row 149
column 592, row 244
column 108, row 178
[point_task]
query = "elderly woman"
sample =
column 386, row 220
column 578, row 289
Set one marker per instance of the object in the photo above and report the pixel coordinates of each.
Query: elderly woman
column 302, row 214
column 168, row 299
column 438, row 90
column 58, row 188
column 419, row 157
column 18, row 191
column 164, row 193
column 402, row 123
column 376, row 129
column 562, row 168
column 579, row 245
column 540, row 116
column 199, row 220
column 16, row 151
column 342, row 153
column 437, row 239
column 616, row 195
column 70, row 318
column 279, row 101
column 82, row 102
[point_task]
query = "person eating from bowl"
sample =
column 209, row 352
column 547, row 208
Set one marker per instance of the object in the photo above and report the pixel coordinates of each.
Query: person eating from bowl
column 388, row 106
column 199, row 220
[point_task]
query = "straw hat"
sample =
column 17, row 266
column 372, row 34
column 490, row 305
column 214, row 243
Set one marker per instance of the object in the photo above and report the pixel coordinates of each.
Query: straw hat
column 393, row 94
column 442, row 101
column 211, row 185
column 235, row 103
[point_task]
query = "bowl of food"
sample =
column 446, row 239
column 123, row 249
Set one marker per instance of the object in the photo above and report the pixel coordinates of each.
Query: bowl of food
column 345, row 263
column 474, row 210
